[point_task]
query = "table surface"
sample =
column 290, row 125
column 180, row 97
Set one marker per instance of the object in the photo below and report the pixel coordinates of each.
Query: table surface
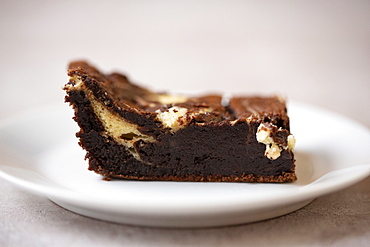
column 316, row 52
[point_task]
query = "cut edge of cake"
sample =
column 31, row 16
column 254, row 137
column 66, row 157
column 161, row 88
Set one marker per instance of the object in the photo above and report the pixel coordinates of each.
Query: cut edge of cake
column 120, row 123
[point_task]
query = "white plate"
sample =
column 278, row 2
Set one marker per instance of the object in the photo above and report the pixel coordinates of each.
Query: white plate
column 39, row 151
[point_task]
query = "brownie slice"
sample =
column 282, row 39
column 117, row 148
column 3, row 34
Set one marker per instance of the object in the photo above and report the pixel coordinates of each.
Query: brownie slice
column 133, row 133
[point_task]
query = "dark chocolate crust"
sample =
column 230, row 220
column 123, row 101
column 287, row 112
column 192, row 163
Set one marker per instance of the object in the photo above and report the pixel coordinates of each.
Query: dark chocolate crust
column 217, row 146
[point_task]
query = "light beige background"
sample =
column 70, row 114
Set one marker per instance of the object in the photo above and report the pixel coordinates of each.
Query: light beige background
column 316, row 52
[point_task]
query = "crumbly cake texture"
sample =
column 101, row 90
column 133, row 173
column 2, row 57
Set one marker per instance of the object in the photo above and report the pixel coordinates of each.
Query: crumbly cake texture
column 131, row 132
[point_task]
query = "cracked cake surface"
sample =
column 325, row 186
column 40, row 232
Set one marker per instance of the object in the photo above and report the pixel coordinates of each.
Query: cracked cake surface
column 132, row 132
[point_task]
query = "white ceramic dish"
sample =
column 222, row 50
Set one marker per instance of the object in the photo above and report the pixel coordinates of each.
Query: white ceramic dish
column 38, row 151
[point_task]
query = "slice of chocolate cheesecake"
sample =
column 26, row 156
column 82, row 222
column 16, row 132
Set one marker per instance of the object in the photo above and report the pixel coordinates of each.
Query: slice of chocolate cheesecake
column 133, row 133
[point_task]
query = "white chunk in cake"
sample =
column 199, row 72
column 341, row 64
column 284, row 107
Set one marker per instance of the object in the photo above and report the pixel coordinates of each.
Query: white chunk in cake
column 273, row 149
column 174, row 117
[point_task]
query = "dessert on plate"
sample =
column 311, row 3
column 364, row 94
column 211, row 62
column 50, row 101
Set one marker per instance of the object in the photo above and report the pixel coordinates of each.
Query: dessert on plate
column 131, row 132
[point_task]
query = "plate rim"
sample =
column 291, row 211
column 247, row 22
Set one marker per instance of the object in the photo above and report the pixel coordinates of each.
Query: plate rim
column 301, row 194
